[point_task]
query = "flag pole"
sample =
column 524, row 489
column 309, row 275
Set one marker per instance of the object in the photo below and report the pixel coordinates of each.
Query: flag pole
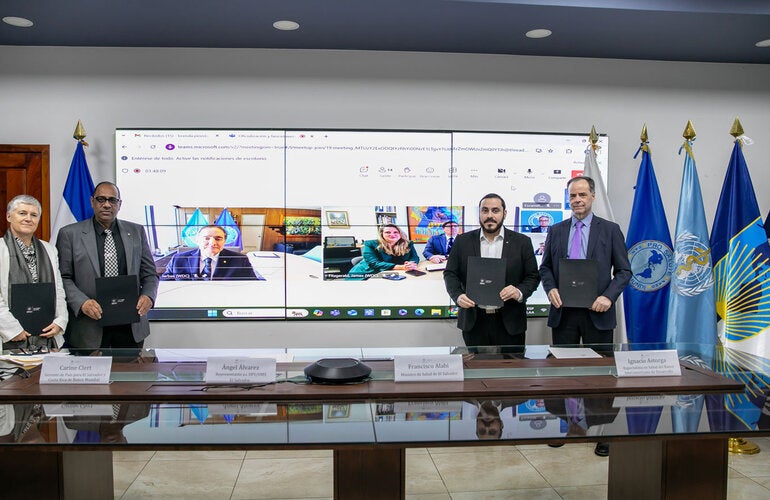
column 740, row 446
column 75, row 205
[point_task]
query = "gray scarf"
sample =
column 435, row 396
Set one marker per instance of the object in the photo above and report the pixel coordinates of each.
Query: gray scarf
column 18, row 272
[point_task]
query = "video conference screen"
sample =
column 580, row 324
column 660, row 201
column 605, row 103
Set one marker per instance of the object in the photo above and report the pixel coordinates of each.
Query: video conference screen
column 301, row 209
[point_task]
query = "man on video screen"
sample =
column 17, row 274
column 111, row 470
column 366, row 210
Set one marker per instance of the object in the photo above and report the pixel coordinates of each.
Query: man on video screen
column 210, row 261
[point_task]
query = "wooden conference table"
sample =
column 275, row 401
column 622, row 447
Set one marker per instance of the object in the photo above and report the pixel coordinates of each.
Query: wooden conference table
column 166, row 406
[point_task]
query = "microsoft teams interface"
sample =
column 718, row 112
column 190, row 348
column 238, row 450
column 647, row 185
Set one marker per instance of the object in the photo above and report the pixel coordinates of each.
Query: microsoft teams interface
column 302, row 212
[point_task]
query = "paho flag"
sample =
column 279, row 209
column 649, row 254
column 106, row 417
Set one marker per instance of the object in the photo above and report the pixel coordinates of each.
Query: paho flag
column 691, row 300
column 741, row 263
column 233, row 239
column 76, row 203
column 190, row 231
column 652, row 260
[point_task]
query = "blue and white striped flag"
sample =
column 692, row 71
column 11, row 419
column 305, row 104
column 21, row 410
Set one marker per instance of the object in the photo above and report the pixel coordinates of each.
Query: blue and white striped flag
column 76, row 205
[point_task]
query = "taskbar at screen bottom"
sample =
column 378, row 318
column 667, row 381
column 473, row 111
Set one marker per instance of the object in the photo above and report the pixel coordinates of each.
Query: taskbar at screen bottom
column 310, row 313
column 316, row 313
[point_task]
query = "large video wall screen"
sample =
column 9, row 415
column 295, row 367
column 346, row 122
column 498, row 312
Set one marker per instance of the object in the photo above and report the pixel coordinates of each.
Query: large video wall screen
column 299, row 205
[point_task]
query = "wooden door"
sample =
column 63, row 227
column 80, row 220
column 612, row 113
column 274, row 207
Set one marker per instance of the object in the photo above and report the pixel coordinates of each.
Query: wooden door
column 24, row 170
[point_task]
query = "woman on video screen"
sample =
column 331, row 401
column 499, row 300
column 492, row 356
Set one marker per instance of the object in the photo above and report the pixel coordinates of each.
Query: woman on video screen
column 391, row 251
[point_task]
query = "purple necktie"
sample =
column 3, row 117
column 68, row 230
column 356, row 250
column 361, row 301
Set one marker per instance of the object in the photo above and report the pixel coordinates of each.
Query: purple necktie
column 577, row 241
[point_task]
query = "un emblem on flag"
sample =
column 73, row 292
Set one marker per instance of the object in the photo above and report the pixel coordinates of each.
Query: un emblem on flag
column 692, row 275
column 652, row 263
column 232, row 234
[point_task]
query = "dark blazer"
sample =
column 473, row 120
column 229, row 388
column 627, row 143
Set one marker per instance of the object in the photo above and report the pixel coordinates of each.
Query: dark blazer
column 520, row 271
column 231, row 265
column 538, row 229
column 79, row 264
column 436, row 245
column 606, row 245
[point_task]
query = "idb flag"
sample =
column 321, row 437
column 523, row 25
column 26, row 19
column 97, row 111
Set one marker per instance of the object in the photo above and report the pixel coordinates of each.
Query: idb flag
column 76, row 203
column 233, row 239
column 691, row 301
column 652, row 260
column 190, row 231
column 741, row 263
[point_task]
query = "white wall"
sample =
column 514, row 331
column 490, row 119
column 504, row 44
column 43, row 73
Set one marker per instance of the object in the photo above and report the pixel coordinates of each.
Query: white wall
column 44, row 91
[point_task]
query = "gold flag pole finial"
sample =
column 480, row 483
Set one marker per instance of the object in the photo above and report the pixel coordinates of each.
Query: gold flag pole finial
column 593, row 137
column 80, row 133
column 737, row 129
column 645, row 139
column 689, row 131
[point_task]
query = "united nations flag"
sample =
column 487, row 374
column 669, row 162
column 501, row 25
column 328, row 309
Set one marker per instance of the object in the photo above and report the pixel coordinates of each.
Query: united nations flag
column 194, row 224
column 225, row 220
column 691, row 302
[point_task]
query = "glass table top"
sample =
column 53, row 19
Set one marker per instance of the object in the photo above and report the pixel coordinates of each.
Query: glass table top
column 387, row 419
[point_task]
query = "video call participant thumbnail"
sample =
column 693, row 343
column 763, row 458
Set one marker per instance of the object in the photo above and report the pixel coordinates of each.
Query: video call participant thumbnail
column 211, row 261
column 391, row 251
column 439, row 245
column 543, row 222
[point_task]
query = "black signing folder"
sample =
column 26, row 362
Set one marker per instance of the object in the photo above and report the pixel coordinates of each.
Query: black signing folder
column 33, row 305
column 118, row 295
column 486, row 277
column 578, row 282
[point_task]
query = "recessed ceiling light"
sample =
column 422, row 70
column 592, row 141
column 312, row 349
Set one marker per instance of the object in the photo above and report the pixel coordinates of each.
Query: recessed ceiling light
column 18, row 21
column 538, row 33
column 763, row 43
column 286, row 25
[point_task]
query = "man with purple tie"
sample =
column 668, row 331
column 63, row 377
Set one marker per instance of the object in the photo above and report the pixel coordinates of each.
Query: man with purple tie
column 438, row 246
column 585, row 236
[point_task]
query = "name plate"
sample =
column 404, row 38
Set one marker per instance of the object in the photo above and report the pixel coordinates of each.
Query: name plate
column 76, row 370
column 643, row 401
column 251, row 409
column 439, row 368
column 427, row 406
column 229, row 370
column 648, row 363
column 77, row 410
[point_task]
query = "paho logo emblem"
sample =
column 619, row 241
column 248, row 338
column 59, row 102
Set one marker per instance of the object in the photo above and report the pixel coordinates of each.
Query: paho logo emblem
column 652, row 263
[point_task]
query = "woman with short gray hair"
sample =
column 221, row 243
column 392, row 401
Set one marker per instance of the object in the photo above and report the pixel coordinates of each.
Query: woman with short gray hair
column 24, row 259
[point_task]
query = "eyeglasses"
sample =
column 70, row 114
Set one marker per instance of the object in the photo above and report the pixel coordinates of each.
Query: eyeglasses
column 101, row 200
